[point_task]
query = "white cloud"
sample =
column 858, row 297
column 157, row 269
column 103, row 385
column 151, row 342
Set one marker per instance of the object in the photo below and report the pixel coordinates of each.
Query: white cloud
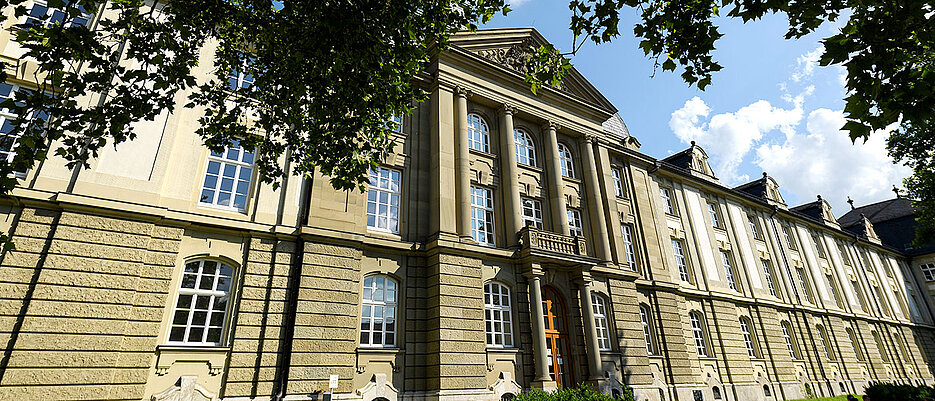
column 517, row 3
column 728, row 137
column 807, row 63
column 824, row 161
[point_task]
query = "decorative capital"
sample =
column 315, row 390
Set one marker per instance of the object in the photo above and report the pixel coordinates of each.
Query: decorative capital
column 590, row 138
column 507, row 108
column 550, row 125
column 463, row 92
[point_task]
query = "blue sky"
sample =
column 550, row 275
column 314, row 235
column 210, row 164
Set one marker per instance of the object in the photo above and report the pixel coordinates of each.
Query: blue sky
column 770, row 109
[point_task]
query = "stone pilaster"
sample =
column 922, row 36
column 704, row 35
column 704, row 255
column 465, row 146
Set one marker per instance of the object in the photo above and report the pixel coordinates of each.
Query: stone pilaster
column 595, row 201
column 542, row 379
column 556, row 183
column 463, row 160
column 510, row 176
column 442, row 172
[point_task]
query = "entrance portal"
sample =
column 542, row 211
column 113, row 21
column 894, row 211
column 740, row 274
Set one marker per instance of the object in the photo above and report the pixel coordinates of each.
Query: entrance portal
column 558, row 351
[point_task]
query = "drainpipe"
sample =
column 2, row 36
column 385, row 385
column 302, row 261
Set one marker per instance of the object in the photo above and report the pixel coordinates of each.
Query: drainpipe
column 292, row 300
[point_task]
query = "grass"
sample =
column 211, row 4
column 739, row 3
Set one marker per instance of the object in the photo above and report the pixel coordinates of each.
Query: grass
column 838, row 398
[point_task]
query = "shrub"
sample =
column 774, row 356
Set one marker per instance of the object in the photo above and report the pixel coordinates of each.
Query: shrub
column 583, row 392
column 899, row 392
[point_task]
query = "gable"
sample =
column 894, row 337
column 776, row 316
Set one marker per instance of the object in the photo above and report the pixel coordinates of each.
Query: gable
column 509, row 49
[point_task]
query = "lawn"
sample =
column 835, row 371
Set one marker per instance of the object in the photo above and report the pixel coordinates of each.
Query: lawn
column 838, row 398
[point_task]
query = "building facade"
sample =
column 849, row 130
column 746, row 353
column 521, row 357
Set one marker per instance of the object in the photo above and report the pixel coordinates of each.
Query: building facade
column 510, row 241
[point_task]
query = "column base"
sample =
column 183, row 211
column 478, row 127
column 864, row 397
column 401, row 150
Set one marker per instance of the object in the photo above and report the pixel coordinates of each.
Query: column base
column 547, row 386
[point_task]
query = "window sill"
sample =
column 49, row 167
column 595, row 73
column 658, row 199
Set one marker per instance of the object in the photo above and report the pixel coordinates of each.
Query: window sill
column 378, row 350
column 211, row 206
column 572, row 179
column 504, row 350
column 482, row 153
column 193, row 348
column 372, row 232
column 528, row 167
column 214, row 357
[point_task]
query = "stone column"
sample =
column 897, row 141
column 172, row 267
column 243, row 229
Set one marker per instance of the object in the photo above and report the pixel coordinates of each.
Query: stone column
column 542, row 380
column 463, row 163
column 510, row 177
column 595, row 201
column 556, row 183
column 590, row 330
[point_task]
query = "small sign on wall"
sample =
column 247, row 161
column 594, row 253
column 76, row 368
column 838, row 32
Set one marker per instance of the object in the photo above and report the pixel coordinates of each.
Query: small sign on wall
column 333, row 382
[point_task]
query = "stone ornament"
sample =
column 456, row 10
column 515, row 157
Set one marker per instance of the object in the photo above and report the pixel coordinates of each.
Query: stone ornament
column 186, row 389
column 378, row 388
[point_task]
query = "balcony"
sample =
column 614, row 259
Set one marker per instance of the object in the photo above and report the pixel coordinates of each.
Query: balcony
column 535, row 239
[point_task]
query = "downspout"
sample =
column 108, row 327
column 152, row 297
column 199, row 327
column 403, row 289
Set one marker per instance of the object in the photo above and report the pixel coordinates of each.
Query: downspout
column 292, row 300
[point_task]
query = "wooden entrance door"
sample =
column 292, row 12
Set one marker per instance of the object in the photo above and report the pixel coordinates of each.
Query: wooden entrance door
column 556, row 338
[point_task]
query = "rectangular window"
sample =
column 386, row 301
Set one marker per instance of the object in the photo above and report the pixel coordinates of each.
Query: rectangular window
column 715, row 217
column 8, row 139
column 42, row 15
column 574, row 223
column 532, row 213
column 628, row 245
column 482, row 216
column 803, row 284
column 647, row 329
column 498, row 315
column 882, row 300
column 834, row 291
column 228, row 178
column 600, row 321
column 860, row 296
column 818, row 246
column 768, row 274
column 748, row 337
column 680, row 261
column 790, row 240
column 728, row 270
column 618, row 182
column 754, row 227
column 378, row 312
column 790, row 340
column 844, row 256
column 698, row 333
column 666, row 200
column 928, row 271
column 383, row 200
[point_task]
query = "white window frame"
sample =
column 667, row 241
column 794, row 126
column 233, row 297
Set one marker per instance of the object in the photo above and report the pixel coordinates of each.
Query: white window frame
column 383, row 199
column 800, row 272
column 8, row 117
column 532, row 213
column 525, row 148
column 681, row 260
column 482, row 216
column 790, row 240
column 825, row 342
column 748, row 338
column 219, row 285
column 498, row 315
column 566, row 160
column 790, row 340
column 754, row 227
column 928, row 271
column 626, row 231
column 715, row 215
column 879, row 342
column 768, row 274
column 834, row 291
column 46, row 22
column 601, row 322
column 387, row 304
column 858, row 353
column 819, row 247
column 647, row 329
column 698, row 333
column 667, row 204
column 239, row 166
column 395, row 123
column 860, row 295
column 845, row 257
column 575, row 225
column 729, row 270
column 478, row 133
column 617, row 178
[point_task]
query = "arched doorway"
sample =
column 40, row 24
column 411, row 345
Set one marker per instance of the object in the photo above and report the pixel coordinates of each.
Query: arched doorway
column 558, row 351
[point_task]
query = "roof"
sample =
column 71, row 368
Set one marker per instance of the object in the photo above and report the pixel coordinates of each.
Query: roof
column 615, row 126
column 879, row 212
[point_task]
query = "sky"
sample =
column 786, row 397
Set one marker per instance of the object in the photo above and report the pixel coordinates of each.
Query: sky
column 772, row 108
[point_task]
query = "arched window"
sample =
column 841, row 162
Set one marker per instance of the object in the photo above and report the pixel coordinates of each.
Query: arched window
column 698, row 332
column 790, row 340
column 566, row 160
column 201, row 308
column 507, row 397
column 901, row 341
column 498, row 314
column 749, row 339
column 525, row 148
column 766, row 391
column 857, row 351
column 826, row 342
column 717, row 392
column 876, row 339
column 600, row 321
column 647, row 329
column 843, row 389
column 378, row 312
column 478, row 133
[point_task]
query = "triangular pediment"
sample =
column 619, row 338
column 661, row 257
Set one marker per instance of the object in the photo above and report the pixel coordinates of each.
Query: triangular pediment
column 509, row 49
